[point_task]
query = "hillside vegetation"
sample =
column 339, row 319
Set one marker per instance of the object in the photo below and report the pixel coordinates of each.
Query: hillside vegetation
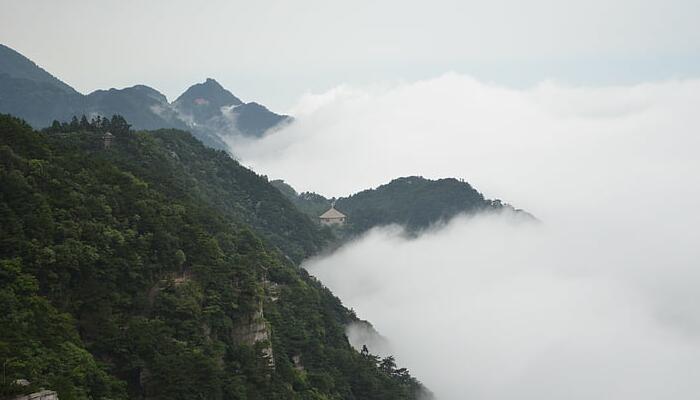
column 413, row 202
column 160, row 269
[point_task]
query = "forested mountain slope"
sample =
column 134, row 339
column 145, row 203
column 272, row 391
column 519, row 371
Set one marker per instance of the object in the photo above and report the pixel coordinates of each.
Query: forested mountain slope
column 18, row 66
column 155, row 269
column 28, row 90
column 413, row 202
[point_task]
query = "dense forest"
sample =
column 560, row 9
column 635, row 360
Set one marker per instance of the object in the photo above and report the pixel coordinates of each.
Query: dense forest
column 156, row 268
column 181, row 165
column 413, row 202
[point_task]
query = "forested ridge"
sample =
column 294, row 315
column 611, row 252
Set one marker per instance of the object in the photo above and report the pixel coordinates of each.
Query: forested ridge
column 157, row 268
column 414, row 202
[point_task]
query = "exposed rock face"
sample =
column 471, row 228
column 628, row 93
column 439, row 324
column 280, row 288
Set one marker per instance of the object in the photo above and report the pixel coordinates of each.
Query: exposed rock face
column 272, row 289
column 41, row 395
column 296, row 361
column 254, row 329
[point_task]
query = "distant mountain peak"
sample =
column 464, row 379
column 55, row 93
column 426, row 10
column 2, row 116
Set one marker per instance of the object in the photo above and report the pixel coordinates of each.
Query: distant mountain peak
column 254, row 105
column 207, row 109
column 17, row 66
column 210, row 92
column 148, row 91
column 136, row 90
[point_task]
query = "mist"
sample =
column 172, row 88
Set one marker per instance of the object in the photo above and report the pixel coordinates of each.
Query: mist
column 599, row 300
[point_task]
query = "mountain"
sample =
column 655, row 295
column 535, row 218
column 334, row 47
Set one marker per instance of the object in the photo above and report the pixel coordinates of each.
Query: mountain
column 212, row 113
column 157, row 268
column 18, row 66
column 175, row 159
column 143, row 106
column 311, row 204
column 211, row 110
column 203, row 101
column 256, row 119
column 414, row 202
column 27, row 90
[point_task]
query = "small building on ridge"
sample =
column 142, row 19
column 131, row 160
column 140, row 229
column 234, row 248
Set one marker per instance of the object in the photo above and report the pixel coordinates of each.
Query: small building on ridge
column 332, row 217
column 107, row 138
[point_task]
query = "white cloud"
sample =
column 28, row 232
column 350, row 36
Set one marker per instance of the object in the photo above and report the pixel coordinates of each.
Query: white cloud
column 536, row 148
column 488, row 309
column 600, row 301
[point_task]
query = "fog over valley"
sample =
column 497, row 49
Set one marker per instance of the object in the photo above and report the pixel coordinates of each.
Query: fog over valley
column 314, row 200
column 597, row 300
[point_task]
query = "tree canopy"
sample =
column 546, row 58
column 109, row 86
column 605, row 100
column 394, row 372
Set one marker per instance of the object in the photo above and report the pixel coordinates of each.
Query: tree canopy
column 132, row 271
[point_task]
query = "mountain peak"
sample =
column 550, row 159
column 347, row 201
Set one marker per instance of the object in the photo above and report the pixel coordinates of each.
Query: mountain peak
column 208, row 93
column 206, row 108
column 17, row 66
column 148, row 91
column 136, row 89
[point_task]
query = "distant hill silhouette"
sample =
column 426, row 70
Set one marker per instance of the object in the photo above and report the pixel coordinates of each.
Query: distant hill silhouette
column 207, row 109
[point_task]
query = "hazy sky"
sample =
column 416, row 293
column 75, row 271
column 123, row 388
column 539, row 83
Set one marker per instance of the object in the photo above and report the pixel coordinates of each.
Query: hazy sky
column 273, row 51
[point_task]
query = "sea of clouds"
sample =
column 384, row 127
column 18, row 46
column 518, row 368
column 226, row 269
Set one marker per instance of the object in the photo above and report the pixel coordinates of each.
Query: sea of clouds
column 598, row 301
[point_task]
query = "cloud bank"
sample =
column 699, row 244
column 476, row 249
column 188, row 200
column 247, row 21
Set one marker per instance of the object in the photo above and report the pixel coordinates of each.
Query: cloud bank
column 600, row 301
column 488, row 309
column 526, row 146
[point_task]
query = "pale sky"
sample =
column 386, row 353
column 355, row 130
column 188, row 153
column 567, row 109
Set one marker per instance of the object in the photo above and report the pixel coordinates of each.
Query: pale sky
column 275, row 51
